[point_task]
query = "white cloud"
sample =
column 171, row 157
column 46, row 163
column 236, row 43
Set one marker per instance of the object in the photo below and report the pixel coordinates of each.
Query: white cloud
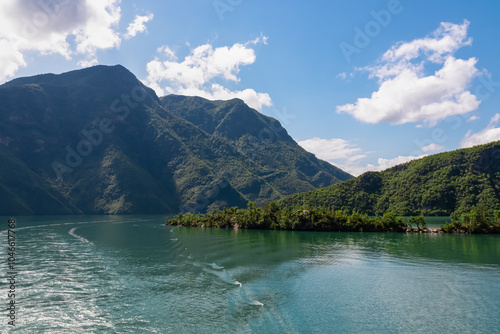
column 357, row 169
column 432, row 148
column 10, row 58
column 342, row 75
column 138, row 25
column 261, row 39
column 473, row 118
column 348, row 156
column 407, row 95
column 443, row 42
column 332, row 149
column 169, row 53
column 345, row 76
column 46, row 26
column 88, row 62
column 489, row 134
column 196, row 73
column 384, row 164
column 98, row 31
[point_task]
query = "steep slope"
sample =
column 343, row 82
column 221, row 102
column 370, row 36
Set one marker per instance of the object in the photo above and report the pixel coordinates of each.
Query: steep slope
column 83, row 134
column 97, row 141
column 278, row 161
column 436, row 185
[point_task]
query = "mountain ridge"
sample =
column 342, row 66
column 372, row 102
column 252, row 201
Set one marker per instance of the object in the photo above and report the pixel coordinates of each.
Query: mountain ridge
column 440, row 184
column 98, row 141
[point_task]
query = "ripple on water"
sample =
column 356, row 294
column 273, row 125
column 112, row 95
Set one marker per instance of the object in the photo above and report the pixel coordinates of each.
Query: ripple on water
column 76, row 280
column 56, row 291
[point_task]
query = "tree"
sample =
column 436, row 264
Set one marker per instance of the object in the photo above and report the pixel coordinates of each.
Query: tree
column 420, row 220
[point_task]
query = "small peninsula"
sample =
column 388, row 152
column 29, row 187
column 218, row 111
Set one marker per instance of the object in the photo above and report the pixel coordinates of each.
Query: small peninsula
column 272, row 217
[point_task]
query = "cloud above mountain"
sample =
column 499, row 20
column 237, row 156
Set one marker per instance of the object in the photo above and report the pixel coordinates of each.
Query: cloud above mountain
column 68, row 28
column 197, row 73
column 348, row 156
column 489, row 134
column 138, row 25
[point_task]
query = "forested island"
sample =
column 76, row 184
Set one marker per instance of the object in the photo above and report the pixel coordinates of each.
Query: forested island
column 273, row 217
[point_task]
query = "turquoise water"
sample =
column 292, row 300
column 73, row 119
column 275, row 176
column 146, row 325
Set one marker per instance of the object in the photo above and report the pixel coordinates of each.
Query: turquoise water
column 131, row 274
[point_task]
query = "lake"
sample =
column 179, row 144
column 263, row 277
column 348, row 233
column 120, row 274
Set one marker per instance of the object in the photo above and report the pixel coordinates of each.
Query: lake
column 133, row 274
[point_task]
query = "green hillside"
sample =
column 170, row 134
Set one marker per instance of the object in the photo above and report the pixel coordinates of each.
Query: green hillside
column 97, row 141
column 445, row 183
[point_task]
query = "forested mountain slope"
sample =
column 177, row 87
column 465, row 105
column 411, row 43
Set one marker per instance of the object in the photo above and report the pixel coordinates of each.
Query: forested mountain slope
column 97, row 141
column 435, row 185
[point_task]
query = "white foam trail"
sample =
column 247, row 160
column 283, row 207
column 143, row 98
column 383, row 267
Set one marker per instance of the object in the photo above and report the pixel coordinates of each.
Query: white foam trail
column 38, row 226
column 73, row 234
column 247, row 300
column 55, row 224
column 215, row 266
column 222, row 274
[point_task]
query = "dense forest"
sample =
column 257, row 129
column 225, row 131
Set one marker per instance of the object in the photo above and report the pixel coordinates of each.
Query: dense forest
column 475, row 221
column 437, row 185
column 272, row 217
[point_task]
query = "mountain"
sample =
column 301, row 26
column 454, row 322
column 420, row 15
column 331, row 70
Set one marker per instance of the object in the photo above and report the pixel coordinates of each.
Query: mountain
column 440, row 184
column 97, row 141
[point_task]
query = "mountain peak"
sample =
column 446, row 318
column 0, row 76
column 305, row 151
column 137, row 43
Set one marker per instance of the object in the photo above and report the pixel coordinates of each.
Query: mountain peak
column 91, row 82
column 232, row 118
column 98, row 141
column 101, row 71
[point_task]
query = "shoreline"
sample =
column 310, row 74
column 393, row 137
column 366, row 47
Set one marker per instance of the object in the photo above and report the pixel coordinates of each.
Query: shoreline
column 432, row 230
column 272, row 217
column 426, row 230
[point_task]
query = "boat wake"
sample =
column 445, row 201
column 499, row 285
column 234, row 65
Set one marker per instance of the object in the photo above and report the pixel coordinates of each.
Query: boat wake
column 215, row 266
column 82, row 239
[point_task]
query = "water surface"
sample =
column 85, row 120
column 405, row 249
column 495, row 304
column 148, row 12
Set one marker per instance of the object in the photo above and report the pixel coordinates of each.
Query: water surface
column 133, row 274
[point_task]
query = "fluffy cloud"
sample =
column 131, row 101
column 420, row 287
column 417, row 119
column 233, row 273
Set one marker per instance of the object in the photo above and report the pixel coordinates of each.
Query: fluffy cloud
column 432, row 148
column 138, row 25
column 383, row 164
column 406, row 94
column 332, row 149
column 98, row 30
column 489, row 134
column 443, row 42
column 10, row 58
column 169, row 53
column 43, row 26
column 195, row 74
column 348, row 156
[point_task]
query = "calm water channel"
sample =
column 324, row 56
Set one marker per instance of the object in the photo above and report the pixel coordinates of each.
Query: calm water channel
column 133, row 274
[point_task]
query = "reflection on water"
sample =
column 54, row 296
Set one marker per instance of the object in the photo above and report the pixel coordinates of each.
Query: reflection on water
column 134, row 274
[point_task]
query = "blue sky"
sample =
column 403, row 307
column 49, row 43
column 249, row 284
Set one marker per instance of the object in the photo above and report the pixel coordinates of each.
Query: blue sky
column 363, row 84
